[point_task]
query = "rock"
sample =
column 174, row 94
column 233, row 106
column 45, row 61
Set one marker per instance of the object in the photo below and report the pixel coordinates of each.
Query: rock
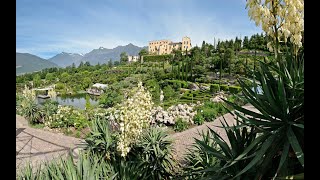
column 193, row 86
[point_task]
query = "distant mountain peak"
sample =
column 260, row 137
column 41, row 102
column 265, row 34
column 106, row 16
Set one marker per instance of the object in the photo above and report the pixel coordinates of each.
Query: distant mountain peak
column 102, row 47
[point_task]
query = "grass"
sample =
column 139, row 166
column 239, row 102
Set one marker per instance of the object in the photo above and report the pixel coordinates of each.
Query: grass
column 37, row 126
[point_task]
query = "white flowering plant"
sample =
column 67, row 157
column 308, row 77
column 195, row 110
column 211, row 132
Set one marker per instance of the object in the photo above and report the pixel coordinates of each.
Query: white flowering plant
column 280, row 19
column 132, row 116
column 66, row 116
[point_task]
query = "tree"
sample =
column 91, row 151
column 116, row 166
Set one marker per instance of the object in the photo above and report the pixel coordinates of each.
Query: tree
column 116, row 63
column 86, row 82
column 123, row 58
column 36, row 80
column 49, row 77
column 64, row 77
column 229, row 56
column 87, row 64
column 110, row 64
column 143, row 52
column 246, row 43
column 81, row 64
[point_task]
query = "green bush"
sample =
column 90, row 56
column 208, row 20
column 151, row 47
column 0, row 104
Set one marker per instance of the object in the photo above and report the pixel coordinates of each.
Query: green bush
column 30, row 110
column 176, row 84
column 100, row 139
column 221, row 109
column 209, row 114
column 224, row 87
column 48, row 109
column 214, row 88
column 212, row 156
column 234, row 89
column 59, row 86
column 198, row 119
column 180, row 125
column 88, row 166
column 157, row 58
column 154, row 152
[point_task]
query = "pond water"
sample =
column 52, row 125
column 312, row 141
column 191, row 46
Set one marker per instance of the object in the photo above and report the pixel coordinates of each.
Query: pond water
column 78, row 101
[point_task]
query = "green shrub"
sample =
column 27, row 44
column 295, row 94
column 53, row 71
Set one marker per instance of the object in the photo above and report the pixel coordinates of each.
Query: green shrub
column 88, row 166
column 100, row 139
column 30, row 110
column 234, row 89
column 169, row 93
column 198, row 119
column 157, row 58
column 214, row 88
column 180, row 125
column 212, row 156
column 221, row 109
column 198, row 158
column 209, row 114
column 224, row 87
column 59, row 86
column 154, row 152
column 48, row 109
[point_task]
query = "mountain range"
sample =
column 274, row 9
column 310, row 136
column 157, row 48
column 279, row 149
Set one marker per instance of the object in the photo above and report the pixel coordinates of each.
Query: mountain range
column 26, row 62
column 100, row 55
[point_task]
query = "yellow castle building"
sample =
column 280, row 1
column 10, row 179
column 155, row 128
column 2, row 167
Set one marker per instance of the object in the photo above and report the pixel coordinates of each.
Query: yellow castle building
column 160, row 47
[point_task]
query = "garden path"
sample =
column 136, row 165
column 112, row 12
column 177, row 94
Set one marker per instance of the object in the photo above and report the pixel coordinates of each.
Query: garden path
column 184, row 140
column 35, row 146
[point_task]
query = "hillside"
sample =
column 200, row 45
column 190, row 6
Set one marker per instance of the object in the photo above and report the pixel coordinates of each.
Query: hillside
column 103, row 55
column 26, row 63
column 66, row 59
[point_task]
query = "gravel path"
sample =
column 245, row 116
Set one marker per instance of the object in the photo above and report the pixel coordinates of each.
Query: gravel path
column 36, row 146
column 184, row 140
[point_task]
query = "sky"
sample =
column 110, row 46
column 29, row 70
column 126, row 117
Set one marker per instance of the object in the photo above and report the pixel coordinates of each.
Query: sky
column 48, row 27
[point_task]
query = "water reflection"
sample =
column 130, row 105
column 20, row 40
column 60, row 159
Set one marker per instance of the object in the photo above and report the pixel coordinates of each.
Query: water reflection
column 78, row 101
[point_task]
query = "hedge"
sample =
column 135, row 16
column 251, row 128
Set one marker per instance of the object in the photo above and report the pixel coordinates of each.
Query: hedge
column 175, row 83
column 157, row 58
column 214, row 88
column 224, row 87
column 234, row 89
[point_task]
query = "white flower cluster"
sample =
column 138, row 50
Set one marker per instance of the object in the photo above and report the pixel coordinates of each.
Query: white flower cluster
column 132, row 116
column 29, row 93
column 284, row 16
column 158, row 115
column 183, row 111
column 64, row 114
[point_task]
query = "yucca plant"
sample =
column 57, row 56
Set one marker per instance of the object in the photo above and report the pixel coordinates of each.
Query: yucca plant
column 88, row 167
column 280, row 122
column 30, row 110
column 154, row 155
column 198, row 159
column 49, row 108
column 211, row 157
column 100, row 139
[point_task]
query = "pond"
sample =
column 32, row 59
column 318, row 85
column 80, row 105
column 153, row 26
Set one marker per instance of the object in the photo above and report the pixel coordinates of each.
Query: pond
column 78, row 101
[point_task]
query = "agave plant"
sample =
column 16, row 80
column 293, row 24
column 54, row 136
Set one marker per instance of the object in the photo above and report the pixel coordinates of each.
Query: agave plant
column 88, row 167
column 154, row 154
column 30, row 110
column 100, row 140
column 211, row 156
column 49, row 108
column 280, row 122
